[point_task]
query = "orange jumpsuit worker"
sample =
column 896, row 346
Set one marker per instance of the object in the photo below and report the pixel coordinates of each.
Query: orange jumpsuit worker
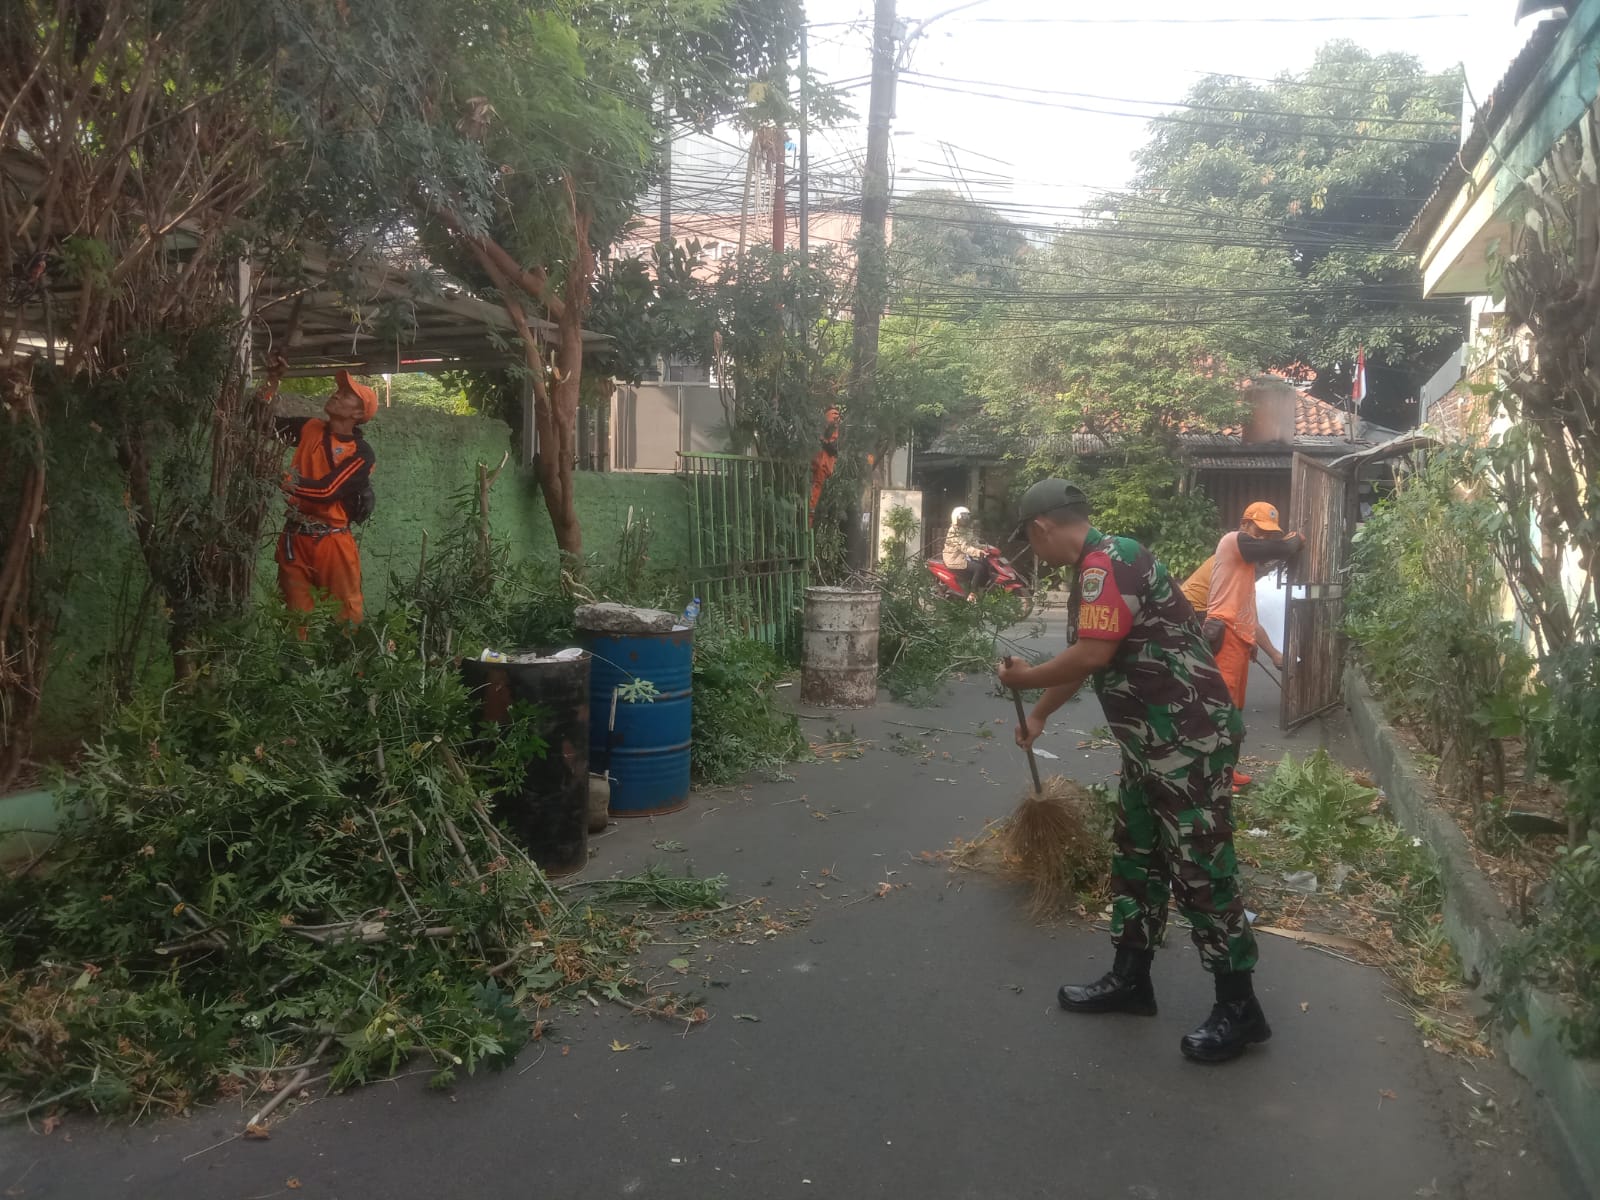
column 327, row 488
column 1197, row 590
column 1259, row 540
column 826, row 460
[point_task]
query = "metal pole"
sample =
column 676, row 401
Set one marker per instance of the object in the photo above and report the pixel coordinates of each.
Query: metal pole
column 871, row 266
column 805, row 158
column 666, row 169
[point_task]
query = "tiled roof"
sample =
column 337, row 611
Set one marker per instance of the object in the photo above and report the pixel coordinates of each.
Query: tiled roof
column 1312, row 418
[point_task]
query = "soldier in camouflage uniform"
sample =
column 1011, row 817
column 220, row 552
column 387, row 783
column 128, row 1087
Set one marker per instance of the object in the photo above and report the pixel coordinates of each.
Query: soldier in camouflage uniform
column 1136, row 637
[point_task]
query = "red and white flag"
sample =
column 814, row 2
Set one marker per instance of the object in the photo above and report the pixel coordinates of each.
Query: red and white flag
column 1358, row 391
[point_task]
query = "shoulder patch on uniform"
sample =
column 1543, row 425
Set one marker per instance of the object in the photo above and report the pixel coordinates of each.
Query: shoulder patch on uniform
column 1094, row 582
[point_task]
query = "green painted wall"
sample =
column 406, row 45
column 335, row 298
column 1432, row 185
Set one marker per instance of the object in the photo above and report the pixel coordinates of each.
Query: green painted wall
column 425, row 459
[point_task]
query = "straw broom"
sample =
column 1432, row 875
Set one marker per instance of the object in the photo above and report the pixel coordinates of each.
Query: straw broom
column 1046, row 828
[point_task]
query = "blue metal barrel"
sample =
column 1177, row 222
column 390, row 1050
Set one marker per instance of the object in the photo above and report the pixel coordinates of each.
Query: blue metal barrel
column 648, row 751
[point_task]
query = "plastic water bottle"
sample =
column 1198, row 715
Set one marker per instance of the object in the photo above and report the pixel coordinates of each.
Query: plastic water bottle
column 692, row 613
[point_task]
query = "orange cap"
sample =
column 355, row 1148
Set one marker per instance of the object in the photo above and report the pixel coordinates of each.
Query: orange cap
column 368, row 396
column 1264, row 515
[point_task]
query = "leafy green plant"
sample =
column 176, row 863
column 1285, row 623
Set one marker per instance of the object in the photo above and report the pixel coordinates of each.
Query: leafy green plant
column 295, row 844
column 1140, row 496
column 924, row 637
column 738, row 725
column 1327, row 815
column 1562, row 951
column 1424, row 609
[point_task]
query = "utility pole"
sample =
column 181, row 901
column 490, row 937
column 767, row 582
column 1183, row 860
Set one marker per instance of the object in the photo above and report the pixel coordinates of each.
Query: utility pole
column 805, row 158
column 666, row 169
column 872, row 275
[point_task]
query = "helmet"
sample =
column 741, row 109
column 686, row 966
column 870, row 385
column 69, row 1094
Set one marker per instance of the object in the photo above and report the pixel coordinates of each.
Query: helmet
column 959, row 514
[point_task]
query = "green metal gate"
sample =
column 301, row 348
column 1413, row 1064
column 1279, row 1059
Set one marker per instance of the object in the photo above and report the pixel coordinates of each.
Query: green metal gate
column 750, row 543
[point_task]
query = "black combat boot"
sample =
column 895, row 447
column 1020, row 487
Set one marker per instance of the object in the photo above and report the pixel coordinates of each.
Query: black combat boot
column 1236, row 1021
column 1126, row 988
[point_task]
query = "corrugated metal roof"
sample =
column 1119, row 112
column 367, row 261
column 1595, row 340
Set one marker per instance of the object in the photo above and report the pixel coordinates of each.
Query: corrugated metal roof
column 1242, row 462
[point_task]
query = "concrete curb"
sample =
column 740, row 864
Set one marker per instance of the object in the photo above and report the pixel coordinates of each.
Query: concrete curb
column 1476, row 924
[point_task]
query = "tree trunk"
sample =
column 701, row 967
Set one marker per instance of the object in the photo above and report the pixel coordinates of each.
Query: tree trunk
column 556, row 385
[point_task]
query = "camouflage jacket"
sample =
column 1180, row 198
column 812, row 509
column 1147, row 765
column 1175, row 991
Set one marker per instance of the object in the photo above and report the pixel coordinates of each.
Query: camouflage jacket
column 1164, row 699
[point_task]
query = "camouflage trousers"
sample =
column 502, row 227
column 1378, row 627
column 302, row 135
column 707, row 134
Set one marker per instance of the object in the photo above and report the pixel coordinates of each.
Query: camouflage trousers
column 1174, row 837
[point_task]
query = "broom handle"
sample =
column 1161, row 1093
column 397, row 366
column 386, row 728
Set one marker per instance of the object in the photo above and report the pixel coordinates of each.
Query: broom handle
column 1022, row 721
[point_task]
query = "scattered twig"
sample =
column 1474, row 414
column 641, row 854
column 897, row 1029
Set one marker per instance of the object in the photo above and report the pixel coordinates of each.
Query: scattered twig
column 515, row 955
column 384, row 845
column 49, row 1100
column 1334, row 954
column 535, row 1062
column 461, row 848
column 940, row 729
column 366, row 932
column 209, row 1149
column 503, row 846
column 300, row 1079
column 208, row 941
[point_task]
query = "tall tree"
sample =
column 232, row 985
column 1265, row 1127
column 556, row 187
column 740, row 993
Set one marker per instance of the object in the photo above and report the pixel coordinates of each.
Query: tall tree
column 1331, row 164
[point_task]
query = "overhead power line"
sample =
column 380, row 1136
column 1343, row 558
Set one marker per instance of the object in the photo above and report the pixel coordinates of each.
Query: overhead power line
column 1364, row 18
column 1230, row 126
column 1426, row 122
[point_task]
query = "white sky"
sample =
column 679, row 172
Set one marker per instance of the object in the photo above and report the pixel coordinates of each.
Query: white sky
column 1054, row 158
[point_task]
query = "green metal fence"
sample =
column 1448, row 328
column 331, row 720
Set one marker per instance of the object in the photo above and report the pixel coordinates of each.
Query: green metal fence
column 750, row 542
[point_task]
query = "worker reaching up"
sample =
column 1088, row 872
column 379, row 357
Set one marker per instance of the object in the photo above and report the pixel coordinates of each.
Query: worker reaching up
column 1197, row 590
column 826, row 460
column 1231, row 603
column 328, row 489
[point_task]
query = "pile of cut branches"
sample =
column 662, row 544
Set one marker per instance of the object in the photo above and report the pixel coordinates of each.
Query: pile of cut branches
column 288, row 860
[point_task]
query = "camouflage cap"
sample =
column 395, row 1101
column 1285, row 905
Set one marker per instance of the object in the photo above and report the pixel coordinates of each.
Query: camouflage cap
column 1045, row 497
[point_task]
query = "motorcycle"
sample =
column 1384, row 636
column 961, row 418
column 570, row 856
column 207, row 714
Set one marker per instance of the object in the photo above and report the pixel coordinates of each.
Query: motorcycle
column 1002, row 575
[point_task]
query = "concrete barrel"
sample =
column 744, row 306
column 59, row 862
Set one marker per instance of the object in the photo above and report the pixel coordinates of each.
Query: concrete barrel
column 839, row 650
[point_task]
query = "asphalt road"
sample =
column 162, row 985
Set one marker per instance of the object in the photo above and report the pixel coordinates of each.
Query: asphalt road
column 908, row 1045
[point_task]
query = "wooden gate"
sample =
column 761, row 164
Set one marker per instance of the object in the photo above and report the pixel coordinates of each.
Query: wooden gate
column 1313, row 635
column 750, row 543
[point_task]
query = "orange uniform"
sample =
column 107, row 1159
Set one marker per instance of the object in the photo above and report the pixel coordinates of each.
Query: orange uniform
column 826, row 460
column 327, row 485
column 1197, row 588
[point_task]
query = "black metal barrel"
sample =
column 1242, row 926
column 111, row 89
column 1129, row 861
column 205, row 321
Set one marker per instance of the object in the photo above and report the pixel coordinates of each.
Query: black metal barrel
column 549, row 811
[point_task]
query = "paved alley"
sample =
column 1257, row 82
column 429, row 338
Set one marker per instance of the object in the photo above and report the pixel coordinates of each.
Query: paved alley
column 908, row 1045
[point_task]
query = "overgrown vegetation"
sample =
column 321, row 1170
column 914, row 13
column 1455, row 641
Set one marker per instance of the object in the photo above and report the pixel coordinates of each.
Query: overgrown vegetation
column 1376, row 883
column 1562, row 950
column 470, row 592
column 293, row 851
column 1544, row 471
column 1424, row 608
column 738, row 725
column 924, row 637
column 1139, row 495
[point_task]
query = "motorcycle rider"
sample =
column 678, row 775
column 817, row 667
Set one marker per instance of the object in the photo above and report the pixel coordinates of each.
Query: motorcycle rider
column 966, row 554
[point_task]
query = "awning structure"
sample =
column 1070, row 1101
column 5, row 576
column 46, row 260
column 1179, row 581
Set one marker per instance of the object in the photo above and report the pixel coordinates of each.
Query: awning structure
column 380, row 321
column 390, row 311
column 1393, row 448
